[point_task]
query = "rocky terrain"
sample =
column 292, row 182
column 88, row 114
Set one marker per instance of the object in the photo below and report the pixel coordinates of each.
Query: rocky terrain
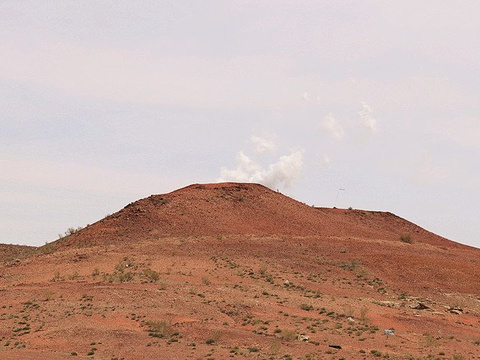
column 238, row 271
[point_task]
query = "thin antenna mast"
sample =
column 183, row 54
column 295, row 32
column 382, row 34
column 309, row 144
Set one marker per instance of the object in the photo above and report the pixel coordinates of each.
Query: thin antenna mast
column 338, row 193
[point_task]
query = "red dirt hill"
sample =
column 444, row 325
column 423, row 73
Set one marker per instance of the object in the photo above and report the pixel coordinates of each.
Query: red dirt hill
column 239, row 271
column 247, row 209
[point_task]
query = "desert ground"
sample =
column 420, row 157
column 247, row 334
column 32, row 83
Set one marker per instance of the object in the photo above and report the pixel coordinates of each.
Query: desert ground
column 238, row 271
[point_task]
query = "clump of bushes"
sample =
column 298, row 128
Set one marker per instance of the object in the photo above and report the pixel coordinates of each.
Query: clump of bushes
column 70, row 231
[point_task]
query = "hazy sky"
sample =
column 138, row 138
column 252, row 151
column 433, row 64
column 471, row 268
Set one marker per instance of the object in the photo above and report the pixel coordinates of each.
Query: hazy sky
column 106, row 102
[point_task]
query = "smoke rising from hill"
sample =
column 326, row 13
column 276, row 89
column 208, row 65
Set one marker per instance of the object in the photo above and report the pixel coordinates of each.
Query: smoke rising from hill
column 284, row 172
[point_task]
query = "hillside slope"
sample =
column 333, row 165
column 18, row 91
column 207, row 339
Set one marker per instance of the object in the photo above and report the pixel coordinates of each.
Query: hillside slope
column 239, row 271
column 371, row 238
column 11, row 252
column 248, row 209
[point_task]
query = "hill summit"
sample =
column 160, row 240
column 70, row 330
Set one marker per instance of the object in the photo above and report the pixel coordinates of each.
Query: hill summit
column 243, row 208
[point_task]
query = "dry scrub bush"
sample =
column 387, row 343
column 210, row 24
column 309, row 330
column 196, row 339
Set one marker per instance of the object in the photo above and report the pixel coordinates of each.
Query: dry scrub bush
column 216, row 335
column 160, row 329
column 289, row 335
column 151, row 275
column 363, row 314
column 275, row 347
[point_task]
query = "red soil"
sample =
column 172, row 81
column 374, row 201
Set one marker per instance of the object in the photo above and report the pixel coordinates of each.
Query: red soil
column 241, row 271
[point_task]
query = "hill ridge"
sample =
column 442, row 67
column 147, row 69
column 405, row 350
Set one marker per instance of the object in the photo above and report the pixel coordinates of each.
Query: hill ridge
column 244, row 209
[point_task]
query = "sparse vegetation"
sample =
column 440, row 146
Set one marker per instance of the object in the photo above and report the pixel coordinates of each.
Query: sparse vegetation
column 363, row 314
column 70, row 231
column 306, row 307
column 216, row 335
column 151, row 275
column 430, row 341
column 289, row 335
column 305, row 295
column 57, row 277
column 375, row 353
column 160, row 329
column 73, row 276
column 49, row 295
column 351, row 265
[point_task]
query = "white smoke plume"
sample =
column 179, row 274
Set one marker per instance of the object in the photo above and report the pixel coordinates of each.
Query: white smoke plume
column 366, row 118
column 285, row 172
column 263, row 145
column 332, row 126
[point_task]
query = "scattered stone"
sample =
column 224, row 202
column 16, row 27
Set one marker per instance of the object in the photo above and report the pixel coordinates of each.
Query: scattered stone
column 455, row 310
column 421, row 306
column 303, row 338
column 387, row 303
column 335, row 347
column 389, row 332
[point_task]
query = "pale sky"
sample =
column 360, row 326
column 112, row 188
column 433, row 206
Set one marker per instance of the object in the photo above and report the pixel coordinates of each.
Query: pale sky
column 106, row 102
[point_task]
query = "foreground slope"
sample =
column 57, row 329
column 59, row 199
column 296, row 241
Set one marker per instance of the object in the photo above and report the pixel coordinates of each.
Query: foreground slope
column 239, row 271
